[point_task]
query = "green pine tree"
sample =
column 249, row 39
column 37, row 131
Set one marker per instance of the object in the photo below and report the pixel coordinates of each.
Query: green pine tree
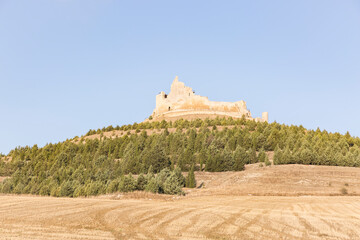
column 190, row 179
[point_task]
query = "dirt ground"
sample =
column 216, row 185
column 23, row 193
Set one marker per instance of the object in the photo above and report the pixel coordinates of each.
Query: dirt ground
column 277, row 202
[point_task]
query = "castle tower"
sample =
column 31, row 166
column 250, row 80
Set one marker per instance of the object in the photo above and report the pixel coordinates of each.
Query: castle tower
column 182, row 102
column 265, row 117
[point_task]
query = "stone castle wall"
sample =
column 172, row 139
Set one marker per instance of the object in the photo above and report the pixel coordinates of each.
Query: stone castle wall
column 183, row 102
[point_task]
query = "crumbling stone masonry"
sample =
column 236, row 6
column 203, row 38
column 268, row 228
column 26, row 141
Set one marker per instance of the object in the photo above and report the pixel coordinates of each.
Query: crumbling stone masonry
column 182, row 102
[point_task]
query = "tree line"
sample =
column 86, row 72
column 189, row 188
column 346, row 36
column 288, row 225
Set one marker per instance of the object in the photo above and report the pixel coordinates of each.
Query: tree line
column 98, row 166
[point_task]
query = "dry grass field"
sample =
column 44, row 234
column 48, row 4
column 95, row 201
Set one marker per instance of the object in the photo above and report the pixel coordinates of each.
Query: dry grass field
column 277, row 202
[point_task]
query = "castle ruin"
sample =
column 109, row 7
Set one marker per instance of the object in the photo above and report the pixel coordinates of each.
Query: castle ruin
column 182, row 102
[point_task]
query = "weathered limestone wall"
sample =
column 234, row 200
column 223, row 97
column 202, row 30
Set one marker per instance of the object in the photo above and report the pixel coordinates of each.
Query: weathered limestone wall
column 182, row 101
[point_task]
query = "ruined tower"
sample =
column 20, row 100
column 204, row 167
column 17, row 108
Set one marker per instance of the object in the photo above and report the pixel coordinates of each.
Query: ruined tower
column 182, row 102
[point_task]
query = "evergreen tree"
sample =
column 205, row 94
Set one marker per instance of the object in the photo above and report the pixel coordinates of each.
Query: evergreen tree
column 240, row 158
column 172, row 185
column 278, row 156
column 190, row 178
column 267, row 161
column 141, row 182
column 262, row 155
column 252, row 156
column 90, row 166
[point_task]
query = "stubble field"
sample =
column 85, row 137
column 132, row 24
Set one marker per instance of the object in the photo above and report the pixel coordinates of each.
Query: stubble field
column 277, row 202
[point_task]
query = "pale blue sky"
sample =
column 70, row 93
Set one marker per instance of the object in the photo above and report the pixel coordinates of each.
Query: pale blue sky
column 67, row 66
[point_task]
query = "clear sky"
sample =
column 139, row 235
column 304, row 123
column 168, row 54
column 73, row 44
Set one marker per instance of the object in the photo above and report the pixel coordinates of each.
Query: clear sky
column 67, row 66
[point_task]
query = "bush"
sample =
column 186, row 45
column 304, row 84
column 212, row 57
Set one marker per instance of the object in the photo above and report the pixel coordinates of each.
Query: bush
column 141, row 182
column 7, row 186
column 66, row 189
column 344, row 191
column 267, row 162
column 163, row 175
column 113, row 186
column 19, row 188
column 180, row 178
column 166, row 182
column 44, row 190
column 153, row 186
column 94, row 188
column 55, row 191
column 262, row 155
column 172, row 185
column 79, row 191
column 127, row 184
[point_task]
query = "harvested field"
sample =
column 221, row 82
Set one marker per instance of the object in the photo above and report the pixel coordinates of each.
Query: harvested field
column 295, row 206
column 209, row 217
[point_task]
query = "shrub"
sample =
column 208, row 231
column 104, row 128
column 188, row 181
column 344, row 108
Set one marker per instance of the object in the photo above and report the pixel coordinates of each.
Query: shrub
column 163, row 175
column 267, row 162
column 141, row 182
column 7, row 186
column 127, row 184
column 79, row 191
column 262, row 155
column 44, row 190
column 55, row 191
column 94, row 188
column 344, row 191
column 66, row 189
column 172, row 185
column 19, row 188
column 113, row 186
column 153, row 186
column 180, row 178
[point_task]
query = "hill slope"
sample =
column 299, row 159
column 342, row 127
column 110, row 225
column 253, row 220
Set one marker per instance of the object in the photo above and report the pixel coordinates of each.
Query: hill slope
column 95, row 164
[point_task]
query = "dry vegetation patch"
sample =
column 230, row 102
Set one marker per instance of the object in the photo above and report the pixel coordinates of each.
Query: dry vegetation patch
column 281, row 180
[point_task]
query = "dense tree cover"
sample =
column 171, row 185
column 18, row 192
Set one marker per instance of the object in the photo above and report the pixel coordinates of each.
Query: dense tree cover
column 96, row 166
column 181, row 124
column 319, row 148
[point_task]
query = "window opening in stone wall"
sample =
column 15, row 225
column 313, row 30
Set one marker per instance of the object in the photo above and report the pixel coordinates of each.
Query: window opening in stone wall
column 169, row 108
